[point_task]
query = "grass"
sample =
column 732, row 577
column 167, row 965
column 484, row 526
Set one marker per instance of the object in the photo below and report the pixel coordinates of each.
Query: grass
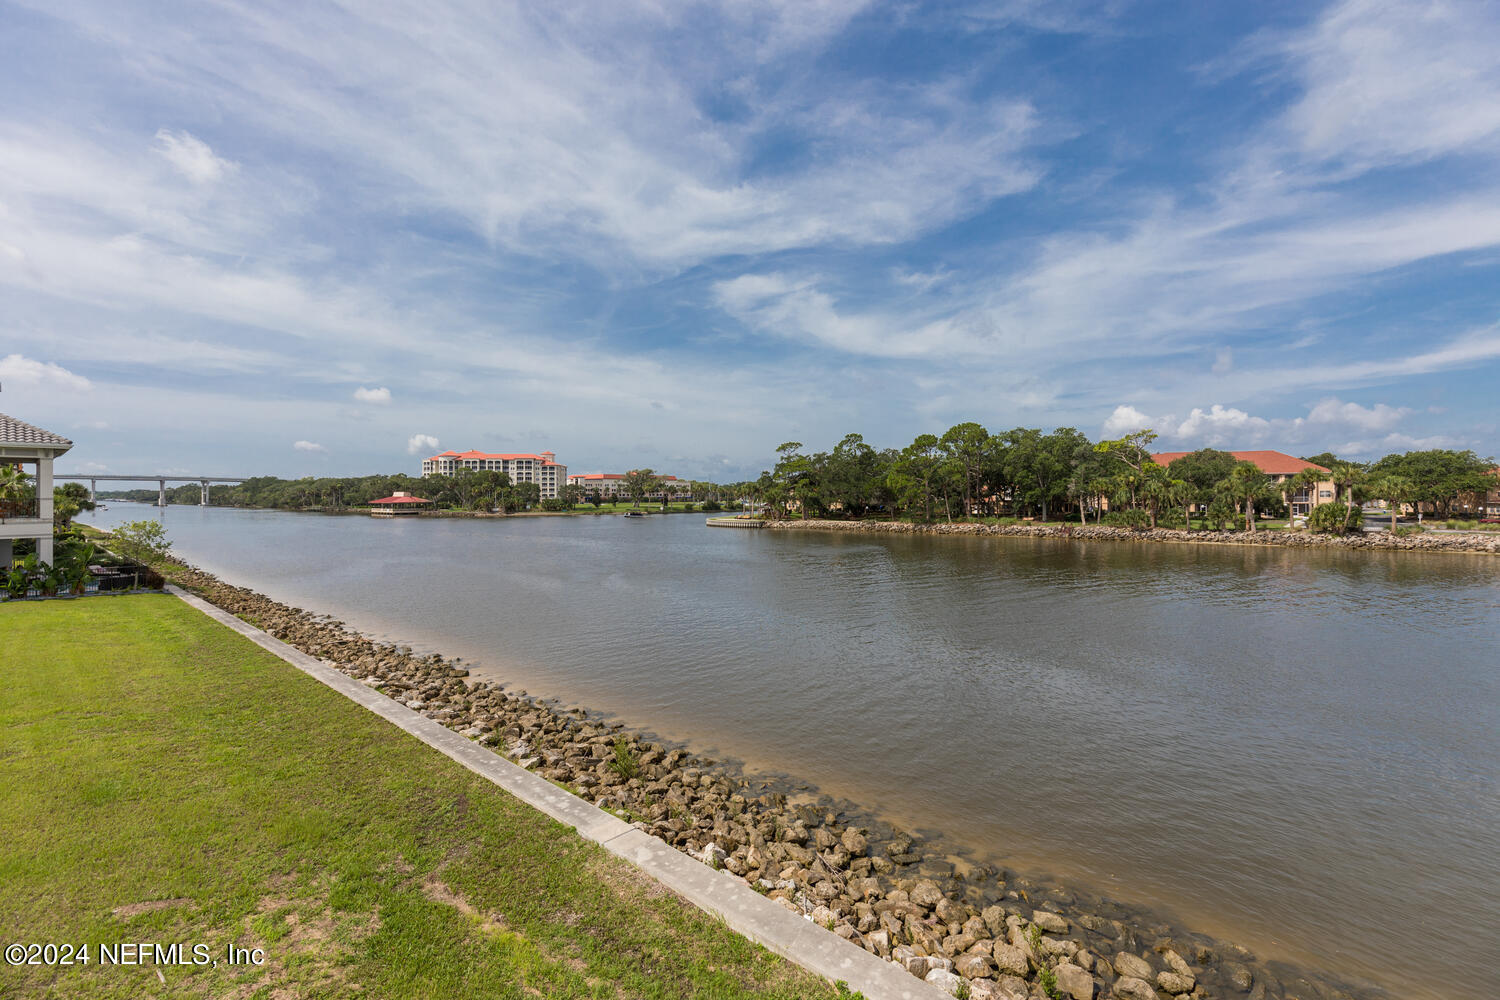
column 164, row 780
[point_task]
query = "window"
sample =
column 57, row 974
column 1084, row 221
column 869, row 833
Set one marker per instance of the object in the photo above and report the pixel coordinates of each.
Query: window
column 1325, row 494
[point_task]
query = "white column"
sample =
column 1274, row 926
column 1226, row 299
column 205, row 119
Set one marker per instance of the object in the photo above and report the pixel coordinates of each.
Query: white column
column 161, row 494
column 93, row 488
column 44, row 502
column 203, row 495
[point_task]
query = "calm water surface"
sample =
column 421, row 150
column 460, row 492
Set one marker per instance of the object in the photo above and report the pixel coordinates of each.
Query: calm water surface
column 1296, row 751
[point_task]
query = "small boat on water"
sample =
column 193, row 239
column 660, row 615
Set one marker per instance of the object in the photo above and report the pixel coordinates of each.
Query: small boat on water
column 635, row 513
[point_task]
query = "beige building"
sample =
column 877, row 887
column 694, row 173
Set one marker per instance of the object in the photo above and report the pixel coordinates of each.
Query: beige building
column 21, row 445
column 541, row 469
column 612, row 485
column 1280, row 467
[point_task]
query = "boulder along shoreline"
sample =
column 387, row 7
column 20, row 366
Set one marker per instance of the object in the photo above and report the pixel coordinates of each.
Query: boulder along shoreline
column 983, row 932
column 1376, row 541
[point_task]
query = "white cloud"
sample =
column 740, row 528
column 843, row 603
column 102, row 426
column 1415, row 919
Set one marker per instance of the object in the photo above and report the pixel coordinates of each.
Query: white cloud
column 419, row 443
column 191, row 156
column 379, row 396
column 1125, row 420
column 1220, row 425
column 310, row 446
column 1369, row 418
column 27, row 371
column 1223, row 361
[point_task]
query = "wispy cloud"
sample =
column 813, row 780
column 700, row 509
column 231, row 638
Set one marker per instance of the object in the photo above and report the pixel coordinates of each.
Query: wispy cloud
column 191, row 156
column 28, row 371
column 309, row 446
column 379, row 397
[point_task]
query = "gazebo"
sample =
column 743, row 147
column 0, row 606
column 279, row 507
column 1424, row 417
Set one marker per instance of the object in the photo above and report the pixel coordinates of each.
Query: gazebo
column 22, row 444
column 397, row 504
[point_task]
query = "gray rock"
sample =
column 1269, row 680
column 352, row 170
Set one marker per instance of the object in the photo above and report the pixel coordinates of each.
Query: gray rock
column 879, row 942
column 1240, row 976
column 1175, row 982
column 1177, row 963
column 972, row 966
column 1132, row 966
column 1050, row 922
column 926, row 894
column 1074, row 981
column 1131, row 988
column 944, row 980
column 994, row 919
column 1011, row 988
column 529, row 762
column 1010, row 959
column 855, row 842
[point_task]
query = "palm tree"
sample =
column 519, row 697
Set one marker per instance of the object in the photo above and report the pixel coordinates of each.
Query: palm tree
column 1308, row 479
column 1348, row 476
column 1394, row 490
column 1248, row 484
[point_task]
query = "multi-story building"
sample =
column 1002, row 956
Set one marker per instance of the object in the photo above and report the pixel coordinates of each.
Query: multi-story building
column 612, row 485
column 541, row 469
column 1280, row 467
column 22, row 444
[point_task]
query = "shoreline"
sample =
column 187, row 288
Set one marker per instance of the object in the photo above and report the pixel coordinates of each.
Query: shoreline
column 914, row 900
column 1374, row 541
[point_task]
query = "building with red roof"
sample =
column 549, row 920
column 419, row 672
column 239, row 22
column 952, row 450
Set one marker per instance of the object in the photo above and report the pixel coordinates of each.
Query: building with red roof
column 612, row 484
column 542, row 469
column 1280, row 467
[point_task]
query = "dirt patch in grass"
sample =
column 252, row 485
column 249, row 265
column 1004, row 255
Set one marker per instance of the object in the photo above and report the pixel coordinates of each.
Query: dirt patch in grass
column 436, row 890
column 136, row 909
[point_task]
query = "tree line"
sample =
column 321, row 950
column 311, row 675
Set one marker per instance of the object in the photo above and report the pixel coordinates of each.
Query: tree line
column 969, row 471
column 964, row 473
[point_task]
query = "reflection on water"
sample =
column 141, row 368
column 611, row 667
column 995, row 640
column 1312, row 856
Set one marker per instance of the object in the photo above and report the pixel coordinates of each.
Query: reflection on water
column 1292, row 749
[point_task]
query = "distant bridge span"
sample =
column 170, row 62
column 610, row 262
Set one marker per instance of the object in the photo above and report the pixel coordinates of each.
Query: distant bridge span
column 94, row 479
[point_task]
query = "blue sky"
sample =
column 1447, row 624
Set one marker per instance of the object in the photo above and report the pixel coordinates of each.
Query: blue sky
column 326, row 239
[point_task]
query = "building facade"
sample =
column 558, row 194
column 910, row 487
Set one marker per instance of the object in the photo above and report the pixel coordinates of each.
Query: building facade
column 22, row 444
column 542, row 469
column 1280, row 467
column 611, row 485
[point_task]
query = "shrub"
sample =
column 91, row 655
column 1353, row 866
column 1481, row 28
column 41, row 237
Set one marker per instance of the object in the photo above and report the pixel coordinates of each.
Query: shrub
column 1220, row 514
column 143, row 541
column 1335, row 519
column 625, row 764
column 710, row 506
column 1136, row 519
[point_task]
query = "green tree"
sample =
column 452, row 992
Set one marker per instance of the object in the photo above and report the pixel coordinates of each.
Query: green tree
column 1132, row 451
column 68, row 501
column 141, row 541
column 966, row 447
column 1039, row 467
column 571, row 496
column 1439, row 476
column 1247, row 485
column 1349, row 477
column 912, row 475
column 638, row 483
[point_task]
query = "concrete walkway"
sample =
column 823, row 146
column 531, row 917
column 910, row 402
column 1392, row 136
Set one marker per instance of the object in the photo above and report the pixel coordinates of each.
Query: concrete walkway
column 742, row 908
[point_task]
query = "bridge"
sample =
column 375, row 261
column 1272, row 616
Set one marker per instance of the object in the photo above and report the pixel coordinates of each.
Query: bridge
column 94, row 479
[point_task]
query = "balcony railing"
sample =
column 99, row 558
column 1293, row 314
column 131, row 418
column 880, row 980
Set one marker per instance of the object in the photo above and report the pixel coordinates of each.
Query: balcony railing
column 18, row 510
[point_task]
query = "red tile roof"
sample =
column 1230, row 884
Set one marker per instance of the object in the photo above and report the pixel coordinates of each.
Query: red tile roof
column 389, row 500
column 1272, row 463
column 481, row 456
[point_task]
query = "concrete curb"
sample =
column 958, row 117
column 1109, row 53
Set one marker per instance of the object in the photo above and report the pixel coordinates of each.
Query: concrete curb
column 742, row 908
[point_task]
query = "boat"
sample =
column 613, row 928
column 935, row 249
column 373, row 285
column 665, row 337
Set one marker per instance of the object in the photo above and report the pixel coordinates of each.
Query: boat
column 635, row 513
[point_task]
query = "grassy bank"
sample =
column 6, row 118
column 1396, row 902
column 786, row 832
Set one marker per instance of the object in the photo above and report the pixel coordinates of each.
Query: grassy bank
column 164, row 780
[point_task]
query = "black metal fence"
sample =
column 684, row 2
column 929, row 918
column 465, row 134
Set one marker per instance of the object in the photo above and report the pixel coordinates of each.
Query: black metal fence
column 17, row 509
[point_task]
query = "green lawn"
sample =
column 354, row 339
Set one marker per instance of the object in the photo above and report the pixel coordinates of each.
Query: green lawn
column 164, row 780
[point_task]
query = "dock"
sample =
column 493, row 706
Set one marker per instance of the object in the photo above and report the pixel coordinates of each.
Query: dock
column 734, row 522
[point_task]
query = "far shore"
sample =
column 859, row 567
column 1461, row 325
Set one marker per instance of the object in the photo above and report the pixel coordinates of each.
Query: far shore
column 1480, row 542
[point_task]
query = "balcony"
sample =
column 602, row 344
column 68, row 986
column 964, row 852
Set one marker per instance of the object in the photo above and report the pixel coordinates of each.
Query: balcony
column 20, row 510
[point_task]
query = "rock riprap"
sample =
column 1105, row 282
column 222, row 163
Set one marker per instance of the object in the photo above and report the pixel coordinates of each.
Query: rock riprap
column 984, row 933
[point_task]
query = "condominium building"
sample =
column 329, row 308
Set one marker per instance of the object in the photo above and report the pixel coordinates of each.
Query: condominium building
column 1280, row 467
column 541, row 469
column 612, row 484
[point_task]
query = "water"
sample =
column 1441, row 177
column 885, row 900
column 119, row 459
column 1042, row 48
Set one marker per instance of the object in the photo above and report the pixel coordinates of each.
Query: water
column 1292, row 750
